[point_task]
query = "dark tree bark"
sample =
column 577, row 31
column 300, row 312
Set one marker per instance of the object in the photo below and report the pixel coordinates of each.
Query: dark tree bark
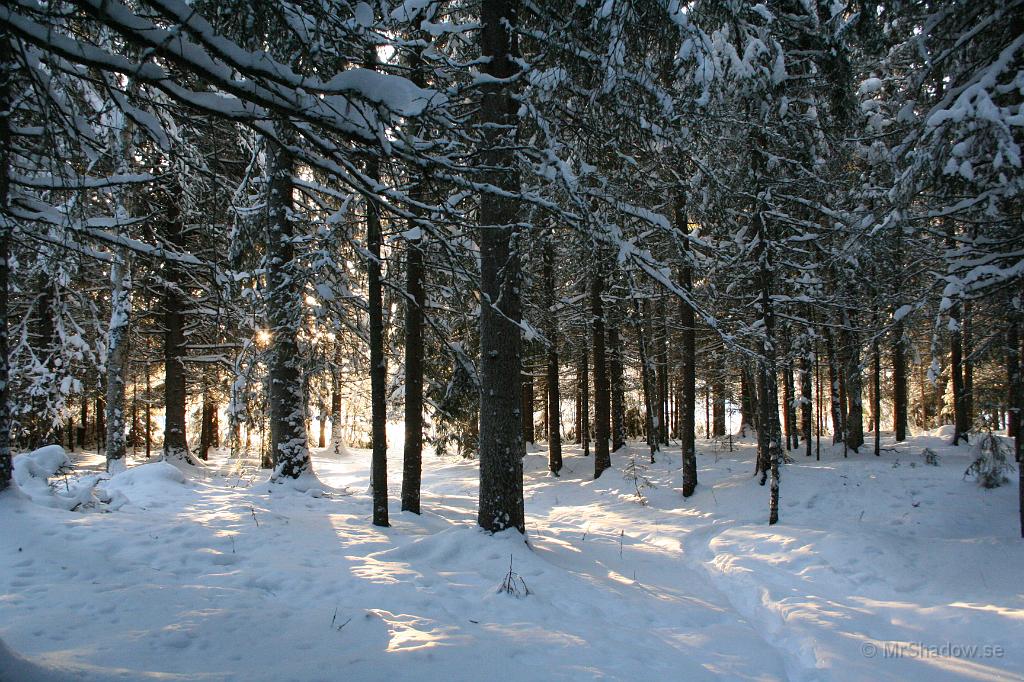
column 835, row 394
column 100, row 412
column 7, row 70
column 215, row 427
column 788, row 413
column 876, row 395
column 336, row 416
column 899, row 347
column 748, row 402
column 415, row 292
column 501, row 418
column 541, row 386
column 528, row 404
column 289, row 450
column 718, row 398
column 854, row 378
column 149, row 420
column 960, row 425
column 583, row 414
column 602, row 392
column 83, row 420
column 1015, row 403
column 554, row 421
column 707, row 410
column 764, row 412
column 968, row 339
column 647, row 379
column 321, row 420
column 175, row 440
column 1013, row 378
column 806, row 416
column 661, row 363
column 618, row 387
column 769, row 417
column 819, row 411
column 206, row 428
column 412, row 462
column 899, row 383
column 688, row 360
column 378, row 366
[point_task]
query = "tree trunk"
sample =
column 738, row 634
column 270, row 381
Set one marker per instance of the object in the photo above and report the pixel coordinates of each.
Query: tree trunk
column 688, row 359
column 7, row 71
column 149, row 419
column 321, row 422
column 554, row 421
column 1015, row 403
column 835, row 394
column 854, row 377
column 378, row 366
column 501, row 418
column 206, row 427
column 412, row 461
column 175, row 441
column 83, row 429
column 1013, row 377
column 120, row 314
column 618, row 387
column 336, row 415
column 876, row 395
column 718, row 397
column 806, row 416
column 117, row 361
column 289, row 450
column 748, row 402
column 583, row 415
column 968, row 339
column 527, row 393
column 769, row 421
column 647, row 379
column 899, row 383
column 101, row 430
column 602, row 397
column 960, row 425
column 662, row 372
column 788, row 415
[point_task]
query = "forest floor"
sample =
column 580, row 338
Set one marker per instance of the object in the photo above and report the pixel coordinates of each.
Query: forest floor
column 881, row 568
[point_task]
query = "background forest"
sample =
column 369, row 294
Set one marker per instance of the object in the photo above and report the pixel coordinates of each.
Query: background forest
column 277, row 225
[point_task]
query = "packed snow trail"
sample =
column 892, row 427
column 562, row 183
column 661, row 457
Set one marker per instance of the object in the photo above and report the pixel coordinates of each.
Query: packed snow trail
column 881, row 568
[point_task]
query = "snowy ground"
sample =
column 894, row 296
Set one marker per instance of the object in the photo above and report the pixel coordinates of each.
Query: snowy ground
column 877, row 571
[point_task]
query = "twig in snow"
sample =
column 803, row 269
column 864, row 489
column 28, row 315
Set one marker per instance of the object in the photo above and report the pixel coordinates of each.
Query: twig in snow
column 253, row 510
column 513, row 583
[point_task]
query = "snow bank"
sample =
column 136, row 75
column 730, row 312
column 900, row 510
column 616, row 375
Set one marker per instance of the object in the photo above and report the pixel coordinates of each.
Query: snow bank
column 142, row 485
column 307, row 482
column 32, row 470
column 14, row 666
column 32, row 473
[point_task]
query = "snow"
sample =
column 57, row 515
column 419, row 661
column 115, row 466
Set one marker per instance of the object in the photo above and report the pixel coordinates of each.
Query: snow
column 215, row 574
column 33, row 468
column 144, row 485
column 869, row 86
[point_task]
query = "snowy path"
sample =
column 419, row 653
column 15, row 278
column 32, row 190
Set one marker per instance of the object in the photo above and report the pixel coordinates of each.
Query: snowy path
column 227, row 578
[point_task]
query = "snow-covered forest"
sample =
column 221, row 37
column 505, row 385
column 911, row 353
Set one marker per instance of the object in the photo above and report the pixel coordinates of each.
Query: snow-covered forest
column 428, row 339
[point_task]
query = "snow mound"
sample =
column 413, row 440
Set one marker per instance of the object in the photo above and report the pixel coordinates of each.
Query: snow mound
column 307, row 482
column 32, row 473
column 33, row 469
column 14, row 666
column 142, row 485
